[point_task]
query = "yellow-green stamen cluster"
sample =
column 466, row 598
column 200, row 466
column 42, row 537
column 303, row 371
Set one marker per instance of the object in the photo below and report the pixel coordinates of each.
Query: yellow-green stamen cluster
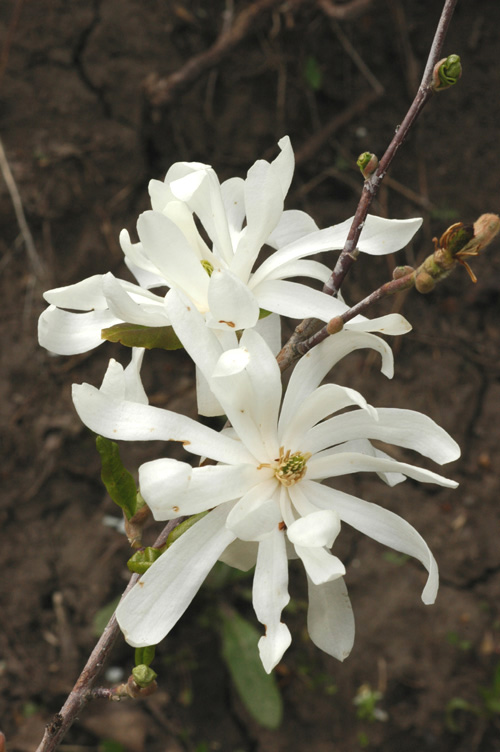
column 291, row 467
column 207, row 266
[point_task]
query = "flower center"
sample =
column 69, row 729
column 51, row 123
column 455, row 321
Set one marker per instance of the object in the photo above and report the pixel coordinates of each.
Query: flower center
column 291, row 467
column 207, row 266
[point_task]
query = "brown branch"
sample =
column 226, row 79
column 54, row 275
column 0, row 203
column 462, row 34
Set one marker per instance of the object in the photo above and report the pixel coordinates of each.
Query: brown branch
column 82, row 692
column 346, row 10
column 161, row 91
column 307, row 328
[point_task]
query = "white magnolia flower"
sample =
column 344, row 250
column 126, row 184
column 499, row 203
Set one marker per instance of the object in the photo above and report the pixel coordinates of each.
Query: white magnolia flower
column 266, row 493
column 238, row 218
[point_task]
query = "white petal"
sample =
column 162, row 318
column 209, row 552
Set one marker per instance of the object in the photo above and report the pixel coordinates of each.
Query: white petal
column 405, row 428
column 323, row 401
column 82, row 296
column 148, row 613
column 318, row 529
column 232, row 361
column 171, row 253
column 382, row 236
column 284, row 164
column 328, row 465
column 300, row 268
column 200, row 343
column 230, row 301
column 136, row 258
column 67, row 333
column 381, row 525
column 313, row 367
column 202, row 193
column 134, row 390
column 270, row 596
column 265, row 379
column 147, row 312
column 257, row 513
column 321, row 566
column 330, row 621
column 130, row 421
column 393, row 324
column 269, row 328
column 297, row 301
column 173, row 489
column 233, row 197
column 207, row 402
column 293, row 225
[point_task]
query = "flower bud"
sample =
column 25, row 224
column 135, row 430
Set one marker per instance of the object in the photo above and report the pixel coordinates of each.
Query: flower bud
column 143, row 675
column 402, row 271
column 424, row 283
column 335, row 325
column 367, row 163
column 446, row 72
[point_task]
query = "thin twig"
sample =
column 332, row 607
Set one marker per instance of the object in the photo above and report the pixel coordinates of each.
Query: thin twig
column 344, row 11
column 15, row 196
column 308, row 328
column 161, row 91
column 81, row 692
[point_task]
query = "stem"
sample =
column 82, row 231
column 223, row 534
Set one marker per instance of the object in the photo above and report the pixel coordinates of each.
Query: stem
column 309, row 327
column 83, row 691
column 389, row 288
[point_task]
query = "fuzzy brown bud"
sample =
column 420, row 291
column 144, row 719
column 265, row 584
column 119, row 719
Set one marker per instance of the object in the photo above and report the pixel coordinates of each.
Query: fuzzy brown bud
column 424, row 283
column 402, row 271
column 335, row 325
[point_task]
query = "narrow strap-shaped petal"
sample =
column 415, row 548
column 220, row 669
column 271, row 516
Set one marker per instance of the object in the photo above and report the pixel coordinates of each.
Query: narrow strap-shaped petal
column 284, row 164
column 161, row 596
column 270, row 596
column 293, row 225
column 332, row 465
column 405, row 428
column 311, row 369
column 381, row 236
column 146, row 309
column 130, row 421
column 240, row 555
column 330, row 621
column 233, row 197
column 68, row 333
column 323, row 401
column 317, row 529
column 321, row 566
column 296, row 301
column 174, row 489
column 86, row 295
column 392, row 323
column 381, row 525
column 301, row 268
column 269, row 328
column 125, row 383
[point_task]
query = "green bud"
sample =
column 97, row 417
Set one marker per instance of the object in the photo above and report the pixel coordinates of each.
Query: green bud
column 143, row 675
column 367, row 163
column 446, row 72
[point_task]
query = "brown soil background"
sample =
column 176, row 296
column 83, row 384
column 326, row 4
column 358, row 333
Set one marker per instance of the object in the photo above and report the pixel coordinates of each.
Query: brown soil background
column 82, row 140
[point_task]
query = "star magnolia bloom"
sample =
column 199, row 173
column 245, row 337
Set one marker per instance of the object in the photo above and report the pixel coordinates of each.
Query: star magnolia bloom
column 266, row 494
column 239, row 217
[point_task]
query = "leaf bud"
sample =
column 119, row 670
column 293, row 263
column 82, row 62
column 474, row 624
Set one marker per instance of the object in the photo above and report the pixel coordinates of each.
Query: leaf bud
column 402, row 271
column 446, row 72
column 367, row 163
column 143, row 675
column 424, row 283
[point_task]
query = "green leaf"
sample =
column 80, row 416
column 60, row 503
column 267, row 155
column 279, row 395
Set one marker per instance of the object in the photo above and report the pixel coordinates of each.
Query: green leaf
column 136, row 335
column 119, row 483
column 109, row 745
column 258, row 690
column 142, row 560
column 183, row 527
column 144, row 655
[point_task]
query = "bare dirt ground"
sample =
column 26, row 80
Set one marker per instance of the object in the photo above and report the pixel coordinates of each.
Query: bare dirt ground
column 83, row 136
